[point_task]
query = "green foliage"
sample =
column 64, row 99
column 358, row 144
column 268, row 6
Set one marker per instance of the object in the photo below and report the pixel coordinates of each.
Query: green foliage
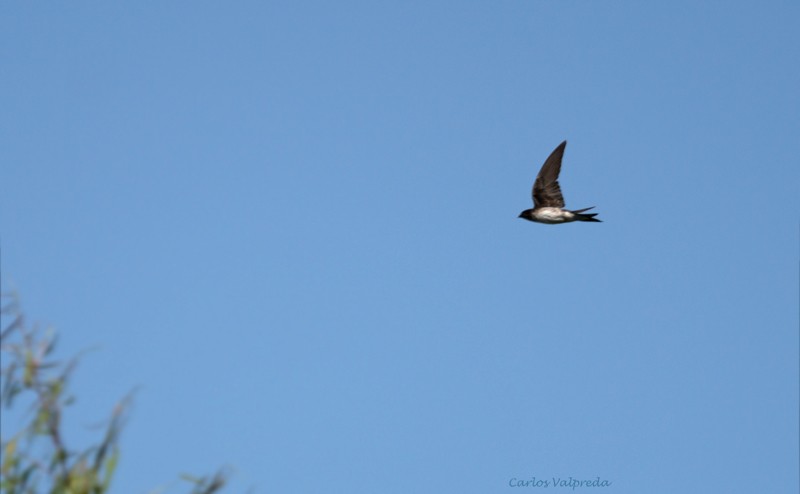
column 36, row 459
column 204, row 485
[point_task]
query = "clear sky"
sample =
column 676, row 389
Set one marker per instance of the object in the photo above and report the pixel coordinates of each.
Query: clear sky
column 292, row 226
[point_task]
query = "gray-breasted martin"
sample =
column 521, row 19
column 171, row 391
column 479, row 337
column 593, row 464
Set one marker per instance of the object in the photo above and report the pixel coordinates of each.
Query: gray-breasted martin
column 547, row 199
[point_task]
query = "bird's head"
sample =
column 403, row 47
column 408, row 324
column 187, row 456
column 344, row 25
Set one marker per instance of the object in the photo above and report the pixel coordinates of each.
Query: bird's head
column 527, row 214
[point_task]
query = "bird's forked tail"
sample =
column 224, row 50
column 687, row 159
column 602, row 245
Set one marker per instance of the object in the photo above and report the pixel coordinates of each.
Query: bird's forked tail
column 585, row 217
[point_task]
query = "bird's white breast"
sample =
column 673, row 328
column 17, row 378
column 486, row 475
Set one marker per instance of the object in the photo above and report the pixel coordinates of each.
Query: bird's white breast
column 552, row 216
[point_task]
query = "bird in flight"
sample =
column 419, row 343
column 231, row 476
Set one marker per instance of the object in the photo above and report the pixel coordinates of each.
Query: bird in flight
column 547, row 199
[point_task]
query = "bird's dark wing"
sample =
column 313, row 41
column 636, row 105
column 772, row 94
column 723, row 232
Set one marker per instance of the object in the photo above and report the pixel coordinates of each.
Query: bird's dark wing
column 546, row 192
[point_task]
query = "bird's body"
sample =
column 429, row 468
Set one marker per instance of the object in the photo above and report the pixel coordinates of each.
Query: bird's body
column 550, row 216
column 548, row 202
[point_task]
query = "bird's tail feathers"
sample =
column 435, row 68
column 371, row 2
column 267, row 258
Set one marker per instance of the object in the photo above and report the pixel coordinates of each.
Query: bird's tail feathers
column 587, row 217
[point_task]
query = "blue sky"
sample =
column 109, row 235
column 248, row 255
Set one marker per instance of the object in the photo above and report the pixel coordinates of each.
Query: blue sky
column 292, row 226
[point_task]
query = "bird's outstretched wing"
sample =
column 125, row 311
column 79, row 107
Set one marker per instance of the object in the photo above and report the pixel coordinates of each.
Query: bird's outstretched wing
column 546, row 192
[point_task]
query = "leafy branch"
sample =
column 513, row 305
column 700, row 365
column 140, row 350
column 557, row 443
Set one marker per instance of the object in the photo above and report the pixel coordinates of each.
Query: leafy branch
column 36, row 459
